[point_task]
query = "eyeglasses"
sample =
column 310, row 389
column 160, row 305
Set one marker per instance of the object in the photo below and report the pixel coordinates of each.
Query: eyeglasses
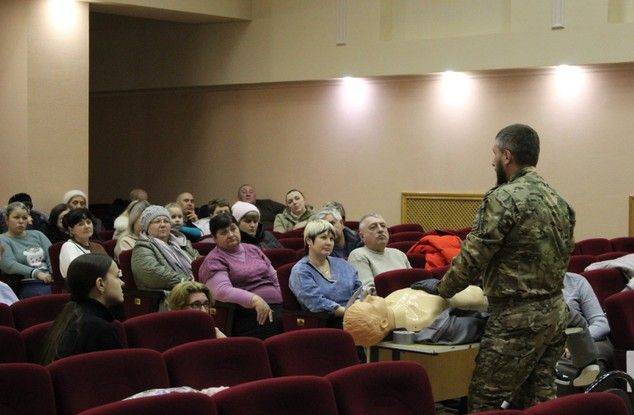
column 196, row 305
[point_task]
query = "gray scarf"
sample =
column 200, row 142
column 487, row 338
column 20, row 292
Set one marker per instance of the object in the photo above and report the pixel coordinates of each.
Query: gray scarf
column 177, row 257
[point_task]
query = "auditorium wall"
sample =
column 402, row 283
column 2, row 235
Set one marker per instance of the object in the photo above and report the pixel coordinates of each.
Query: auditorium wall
column 364, row 141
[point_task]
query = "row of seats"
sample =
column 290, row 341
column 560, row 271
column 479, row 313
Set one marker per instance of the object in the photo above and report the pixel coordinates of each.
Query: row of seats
column 394, row 388
column 598, row 246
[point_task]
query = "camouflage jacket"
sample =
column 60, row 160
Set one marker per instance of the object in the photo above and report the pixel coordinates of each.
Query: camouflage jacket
column 520, row 242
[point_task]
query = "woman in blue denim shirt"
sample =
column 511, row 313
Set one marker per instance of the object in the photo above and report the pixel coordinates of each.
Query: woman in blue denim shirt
column 320, row 282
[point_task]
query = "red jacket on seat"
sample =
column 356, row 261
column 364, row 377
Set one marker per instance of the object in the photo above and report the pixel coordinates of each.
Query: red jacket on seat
column 439, row 250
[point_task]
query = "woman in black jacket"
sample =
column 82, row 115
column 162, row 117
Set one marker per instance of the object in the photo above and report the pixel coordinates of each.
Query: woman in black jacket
column 85, row 323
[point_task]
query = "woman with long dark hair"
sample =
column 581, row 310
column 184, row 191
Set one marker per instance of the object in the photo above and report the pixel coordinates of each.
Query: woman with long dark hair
column 85, row 323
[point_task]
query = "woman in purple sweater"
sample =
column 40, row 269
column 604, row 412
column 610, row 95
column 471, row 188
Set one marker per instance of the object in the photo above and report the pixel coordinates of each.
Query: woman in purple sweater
column 241, row 274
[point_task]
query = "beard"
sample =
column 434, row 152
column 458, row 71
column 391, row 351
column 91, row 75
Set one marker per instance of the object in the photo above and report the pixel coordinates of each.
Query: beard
column 499, row 172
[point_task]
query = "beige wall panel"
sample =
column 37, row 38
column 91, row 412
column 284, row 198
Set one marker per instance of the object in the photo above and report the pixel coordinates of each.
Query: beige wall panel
column 365, row 144
column 291, row 40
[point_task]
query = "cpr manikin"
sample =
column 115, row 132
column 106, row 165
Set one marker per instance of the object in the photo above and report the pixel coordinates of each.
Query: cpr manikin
column 370, row 320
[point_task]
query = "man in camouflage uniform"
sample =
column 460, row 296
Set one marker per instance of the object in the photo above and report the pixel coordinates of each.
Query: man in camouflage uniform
column 520, row 244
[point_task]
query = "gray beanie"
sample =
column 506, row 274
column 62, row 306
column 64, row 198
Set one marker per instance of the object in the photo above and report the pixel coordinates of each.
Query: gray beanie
column 150, row 213
column 135, row 213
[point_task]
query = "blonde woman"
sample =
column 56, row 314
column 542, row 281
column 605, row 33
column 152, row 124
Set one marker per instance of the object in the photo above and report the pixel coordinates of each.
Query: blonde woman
column 192, row 295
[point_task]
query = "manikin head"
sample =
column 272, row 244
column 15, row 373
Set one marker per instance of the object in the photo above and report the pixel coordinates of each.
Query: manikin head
column 369, row 321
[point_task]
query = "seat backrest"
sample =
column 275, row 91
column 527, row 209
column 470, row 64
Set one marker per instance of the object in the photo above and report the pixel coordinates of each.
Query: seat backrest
column 25, row 389
column 36, row 310
column 594, row 246
column 34, row 338
column 609, row 255
column 289, row 301
column 406, row 236
column 162, row 331
column 105, row 235
column 280, row 256
column 59, row 283
column 405, row 227
column 625, row 244
column 416, row 260
column 310, row 352
column 6, row 317
column 172, row 403
column 125, row 263
column 89, row 380
column 383, row 388
column 390, row 281
column 295, row 233
column 581, row 404
column 203, row 248
column 217, row 362
column 352, row 224
column 11, row 346
column 293, row 395
column 196, row 264
column 605, row 282
column 292, row 243
column 402, row 246
column 109, row 245
column 619, row 309
column 577, row 263
column 439, row 272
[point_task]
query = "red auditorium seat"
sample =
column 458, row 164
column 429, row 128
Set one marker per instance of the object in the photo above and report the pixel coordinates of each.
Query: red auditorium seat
column 581, row 404
column 109, row 247
column 136, row 302
column 501, row 412
column 162, row 331
column 221, row 312
column 605, row 282
column 89, row 380
column 280, row 256
column 59, row 283
column 6, row 318
column 352, row 224
column 439, row 272
column 406, row 236
column 173, row 403
column 203, row 248
column 293, row 317
column 594, row 246
column 383, row 388
column 625, row 244
column 390, row 281
column 577, row 263
column 609, row 255
column 34, row 338
column 295, row 233
column 36, row 310
column 293, row 395
column 619, row 309
column 217, row 362
column 402, row 246
column 405, row 227
column 310, row 352
column 25, row 389
column 462, row 233
column 105, row 235
column 11, row 346
column 292, row 243
column 416, row 260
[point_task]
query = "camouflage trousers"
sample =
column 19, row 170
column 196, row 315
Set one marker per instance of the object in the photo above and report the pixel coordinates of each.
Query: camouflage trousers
column 521, row 344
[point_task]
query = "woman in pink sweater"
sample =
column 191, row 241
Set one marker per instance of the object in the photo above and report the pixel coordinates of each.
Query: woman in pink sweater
column 241, row 274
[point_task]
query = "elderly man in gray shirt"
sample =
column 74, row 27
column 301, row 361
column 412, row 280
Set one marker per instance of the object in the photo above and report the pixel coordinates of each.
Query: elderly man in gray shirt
column 375, row 258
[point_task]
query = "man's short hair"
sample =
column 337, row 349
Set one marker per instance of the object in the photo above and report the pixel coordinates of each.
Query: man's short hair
column 338, row 206
column 325, row 212
column 240, row 188
column 522, row 141
column 366, row 216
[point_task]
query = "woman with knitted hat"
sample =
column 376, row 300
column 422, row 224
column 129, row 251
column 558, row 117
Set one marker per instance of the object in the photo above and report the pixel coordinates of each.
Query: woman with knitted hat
column 160, row 259
column 75, row 199
column 128, row 239
column 251, row 230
